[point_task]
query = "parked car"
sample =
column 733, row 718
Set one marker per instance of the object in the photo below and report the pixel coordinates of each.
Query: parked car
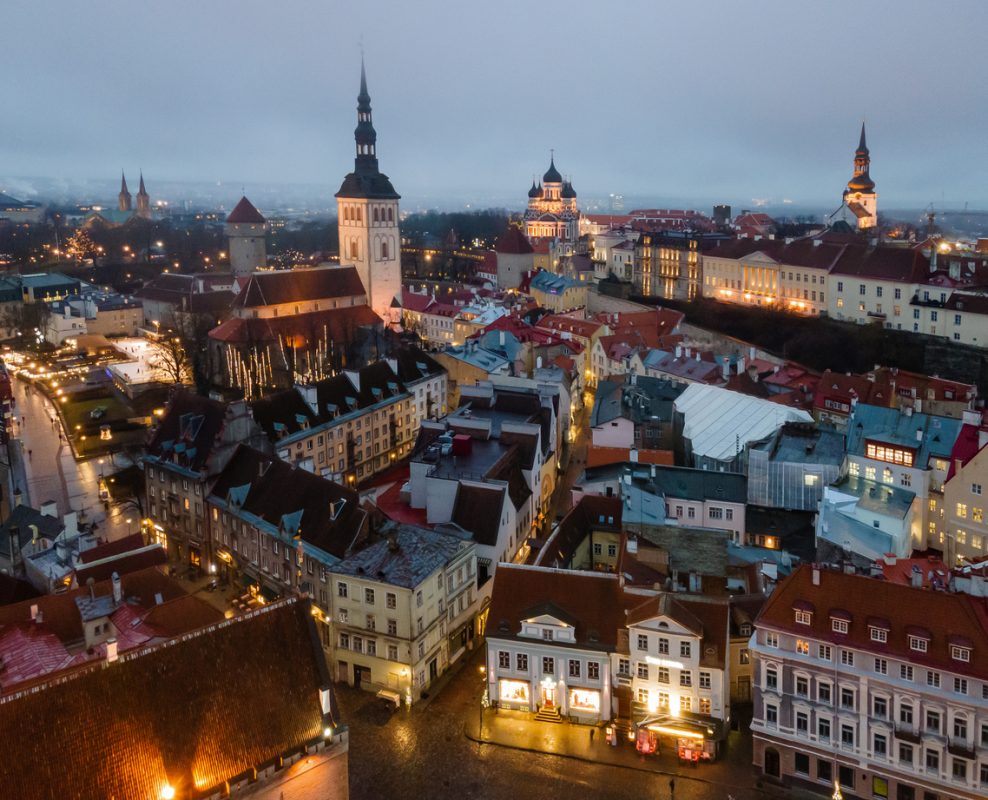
column 98, row 413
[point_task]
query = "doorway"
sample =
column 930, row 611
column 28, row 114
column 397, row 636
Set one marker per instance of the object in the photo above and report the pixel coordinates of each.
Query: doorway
column 360, row 675
column 548, row 697
column 433, row 671
column 772, row 763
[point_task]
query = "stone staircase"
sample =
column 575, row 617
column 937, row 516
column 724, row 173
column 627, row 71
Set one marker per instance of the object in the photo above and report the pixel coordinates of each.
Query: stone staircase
column 548, row 715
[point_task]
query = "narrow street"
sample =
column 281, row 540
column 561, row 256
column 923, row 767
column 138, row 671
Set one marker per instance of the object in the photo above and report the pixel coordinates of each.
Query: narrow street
column 52, row 472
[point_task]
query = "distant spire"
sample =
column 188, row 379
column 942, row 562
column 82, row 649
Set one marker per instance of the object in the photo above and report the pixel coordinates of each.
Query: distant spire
column 141, row 189
column 123, row 182
column 364, row 96
column 863, row 145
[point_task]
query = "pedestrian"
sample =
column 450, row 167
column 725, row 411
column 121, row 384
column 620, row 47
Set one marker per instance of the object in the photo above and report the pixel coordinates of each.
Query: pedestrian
column 592, row 731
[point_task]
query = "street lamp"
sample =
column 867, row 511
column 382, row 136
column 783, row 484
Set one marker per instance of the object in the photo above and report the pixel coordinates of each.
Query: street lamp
column 480, row 706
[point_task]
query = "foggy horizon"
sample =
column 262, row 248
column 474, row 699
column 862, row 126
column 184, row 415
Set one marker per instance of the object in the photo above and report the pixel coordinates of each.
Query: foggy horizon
column 719, row 103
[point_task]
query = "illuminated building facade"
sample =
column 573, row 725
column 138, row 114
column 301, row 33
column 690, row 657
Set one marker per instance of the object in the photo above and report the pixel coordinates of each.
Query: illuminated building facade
column 552, row 212
column 877, row 686
column 367, row 218
column 669, row 264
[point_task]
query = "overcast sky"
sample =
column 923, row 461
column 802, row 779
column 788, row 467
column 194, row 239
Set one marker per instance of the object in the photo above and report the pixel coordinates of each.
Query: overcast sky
column 695, row 101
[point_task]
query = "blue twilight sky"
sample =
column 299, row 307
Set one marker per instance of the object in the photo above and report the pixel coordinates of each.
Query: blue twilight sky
column 690, row 102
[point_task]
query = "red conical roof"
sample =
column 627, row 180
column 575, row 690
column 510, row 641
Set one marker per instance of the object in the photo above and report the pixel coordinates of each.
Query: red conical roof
column 245, row 212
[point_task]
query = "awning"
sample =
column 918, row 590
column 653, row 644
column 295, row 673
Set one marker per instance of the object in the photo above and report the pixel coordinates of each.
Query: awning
column 269, row 594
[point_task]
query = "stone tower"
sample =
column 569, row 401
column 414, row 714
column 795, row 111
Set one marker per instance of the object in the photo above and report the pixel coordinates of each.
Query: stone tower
column 124, row 200
column 143, row 201
column 246, row 230
column 860, row 195
column 367, row 208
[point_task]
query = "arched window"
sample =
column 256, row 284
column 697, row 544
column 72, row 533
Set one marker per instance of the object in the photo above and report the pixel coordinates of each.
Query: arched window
column 360, row 214
column 346, row 213
column 354, row 251
column 391, row 214
column 376, row 217
column 384, row 249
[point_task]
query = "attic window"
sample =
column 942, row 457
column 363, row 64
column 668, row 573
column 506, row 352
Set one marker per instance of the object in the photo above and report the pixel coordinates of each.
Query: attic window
column 804, row 618
column 839, row 625
column 746, row 629
column 879, row 634
column 351, row 401
column 918, row 643
column 959, row 653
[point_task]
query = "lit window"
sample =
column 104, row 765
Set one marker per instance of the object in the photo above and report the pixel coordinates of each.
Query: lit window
column 962, row 510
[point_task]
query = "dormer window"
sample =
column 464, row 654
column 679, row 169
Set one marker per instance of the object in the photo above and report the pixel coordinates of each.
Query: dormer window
column 918, row 643
column 804, row 618
column 959, row 653
column 547, row 634
column 879, row 635
column 839, row 625
column 746, row 629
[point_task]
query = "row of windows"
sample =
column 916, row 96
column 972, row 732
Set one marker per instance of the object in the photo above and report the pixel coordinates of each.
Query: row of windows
column 917, row 643
column 574, row 666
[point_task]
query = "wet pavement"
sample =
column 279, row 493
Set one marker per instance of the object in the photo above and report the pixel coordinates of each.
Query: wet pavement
column 50, row 471
column 425, row 752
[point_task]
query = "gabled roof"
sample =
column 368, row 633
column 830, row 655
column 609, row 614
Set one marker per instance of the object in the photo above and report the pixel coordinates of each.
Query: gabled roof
column 409, row 558
column 513, row 242
column 172, row 714
column 594, row 602
column 296, row 285
column 707, row 618
column 188, row 431
column 591, row 513
column 25, row 519
column 244, row 212
column 328, row 516
column 334, row 325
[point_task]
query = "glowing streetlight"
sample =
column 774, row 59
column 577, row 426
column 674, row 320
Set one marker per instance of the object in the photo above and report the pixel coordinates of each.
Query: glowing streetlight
column 167, row 792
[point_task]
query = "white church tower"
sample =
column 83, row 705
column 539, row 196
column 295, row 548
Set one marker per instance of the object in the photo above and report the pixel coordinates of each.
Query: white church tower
column 367, row 206
column 246, row 229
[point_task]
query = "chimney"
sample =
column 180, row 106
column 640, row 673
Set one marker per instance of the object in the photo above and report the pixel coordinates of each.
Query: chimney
column 679, row 351
column 117, row 588
column 816, row 575
column 726, row 368
column 49, row 508
column 111, row 650
column 34, row 612
column 393, row 542
column 751, row 353
column 741, row 365
column 18, row 497
column 500, row 338
column 890, row 559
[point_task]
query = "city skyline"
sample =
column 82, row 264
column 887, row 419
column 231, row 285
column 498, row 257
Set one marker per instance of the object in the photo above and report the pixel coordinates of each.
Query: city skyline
column 771, row 112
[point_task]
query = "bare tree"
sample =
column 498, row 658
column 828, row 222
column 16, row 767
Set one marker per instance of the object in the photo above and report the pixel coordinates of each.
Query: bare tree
column 169, row 358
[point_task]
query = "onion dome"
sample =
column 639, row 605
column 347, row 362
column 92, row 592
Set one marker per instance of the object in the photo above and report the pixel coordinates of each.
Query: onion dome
column 552, row 174
column 534, row 191
column 568, row 190
column 861, row 183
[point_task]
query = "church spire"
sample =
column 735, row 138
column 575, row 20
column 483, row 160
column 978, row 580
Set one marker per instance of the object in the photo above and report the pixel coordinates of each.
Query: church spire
column 862, row 144
column 141, row 190
column 364, row 134
column 123, row 199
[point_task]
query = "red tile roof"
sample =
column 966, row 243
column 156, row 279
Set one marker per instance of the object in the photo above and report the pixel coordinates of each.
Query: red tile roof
column 192, row 713
column 966, row 447
column 598, row 456
column 593, row 602
column 133, row 542
column 560, row 323
column 244, row 212
column 122, row 564
column 513, row 242
column 948, row 616
column 297, row 285
column 336, row 324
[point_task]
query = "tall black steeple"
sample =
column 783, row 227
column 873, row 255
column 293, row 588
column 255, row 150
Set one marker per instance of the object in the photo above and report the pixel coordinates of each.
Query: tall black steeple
column 366, row 180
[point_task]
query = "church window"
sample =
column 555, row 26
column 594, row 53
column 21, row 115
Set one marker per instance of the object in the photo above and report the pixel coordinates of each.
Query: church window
column 376, row 215
column 384, row 249
column 391, row 214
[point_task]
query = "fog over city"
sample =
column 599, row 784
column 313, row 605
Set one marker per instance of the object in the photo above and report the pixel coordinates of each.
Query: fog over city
column 685, row 103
